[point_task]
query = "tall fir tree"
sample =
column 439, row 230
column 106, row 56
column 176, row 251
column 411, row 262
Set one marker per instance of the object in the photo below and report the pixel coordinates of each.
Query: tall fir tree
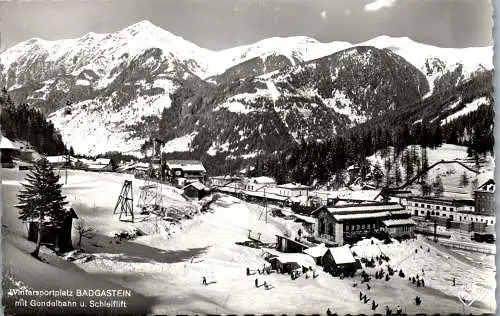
column 41, row 199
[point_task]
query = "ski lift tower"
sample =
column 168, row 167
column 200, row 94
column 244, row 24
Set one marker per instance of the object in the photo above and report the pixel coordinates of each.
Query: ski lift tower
column 151, row 192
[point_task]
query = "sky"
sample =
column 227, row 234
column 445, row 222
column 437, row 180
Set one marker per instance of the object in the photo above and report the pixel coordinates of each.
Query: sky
column 220, row 24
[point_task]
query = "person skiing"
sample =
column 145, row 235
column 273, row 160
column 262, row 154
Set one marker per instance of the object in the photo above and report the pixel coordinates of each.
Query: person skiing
column 248, row 271
column 256, row 282
column 204, row 280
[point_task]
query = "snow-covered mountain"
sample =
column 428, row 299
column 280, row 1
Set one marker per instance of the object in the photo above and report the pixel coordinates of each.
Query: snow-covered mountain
column 106, row 91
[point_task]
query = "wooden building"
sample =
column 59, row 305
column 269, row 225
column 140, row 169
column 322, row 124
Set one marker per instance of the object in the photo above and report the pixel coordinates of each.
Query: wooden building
column 57, row 237
column 317, row 253
column 286, row 263
column 399, row 227
column 185, row 171
column 7, row 152
column 484, row 198
column 336, row 224
column 196, row 190
column 339, row 260
column 287, row 244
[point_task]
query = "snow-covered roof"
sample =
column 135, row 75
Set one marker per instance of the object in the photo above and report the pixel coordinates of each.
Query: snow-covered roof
column 366, row 208
column 342, row 217
column 266, row 195
column 342, row 255
column 294, row 186
column 186, row 165
column 262, row 180
column 5, row 143
column 300, row 258
column 197, row 185
column 398, row 222
column 103, row 161
column 56, row 159
column 317, row 251
column 95, row 166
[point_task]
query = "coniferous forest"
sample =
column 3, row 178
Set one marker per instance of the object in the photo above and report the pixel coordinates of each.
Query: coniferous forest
column 22, row 122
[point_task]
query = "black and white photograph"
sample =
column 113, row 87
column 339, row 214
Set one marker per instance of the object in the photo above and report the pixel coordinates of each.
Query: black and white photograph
column 215, row 157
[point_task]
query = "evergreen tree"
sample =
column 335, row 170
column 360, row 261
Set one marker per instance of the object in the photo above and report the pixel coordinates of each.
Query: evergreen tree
column 465, row 180
column 41, row 199
column 438, row 187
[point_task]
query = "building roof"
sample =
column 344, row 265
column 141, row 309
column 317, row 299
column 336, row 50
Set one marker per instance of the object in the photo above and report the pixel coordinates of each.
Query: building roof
column 317, row 251
column 343, row 217
column 299, row 258
column 488, row 186
column 197, row 185
column 294, row 186
column 262, row 180
column 103, row 161
column 442, row 200
column 398, row 222
column 367, row 207
column 6, row 143
column 56, row 159
column 342, row 255
column 186, row 165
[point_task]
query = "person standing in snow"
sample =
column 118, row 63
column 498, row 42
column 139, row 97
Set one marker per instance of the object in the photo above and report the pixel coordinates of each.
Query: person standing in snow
column 454, row 282
column 256, row 282
column 328, row 312
column 204, row 280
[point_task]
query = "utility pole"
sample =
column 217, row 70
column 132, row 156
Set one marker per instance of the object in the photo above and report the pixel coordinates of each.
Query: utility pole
column 66, row 168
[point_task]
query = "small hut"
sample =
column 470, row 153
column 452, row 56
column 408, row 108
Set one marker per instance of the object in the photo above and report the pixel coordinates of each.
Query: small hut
column 286, row 263
column 57, row 237
column 196, row 190
column 339, row 260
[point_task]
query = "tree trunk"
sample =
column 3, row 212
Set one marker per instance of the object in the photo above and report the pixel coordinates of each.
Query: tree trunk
column 35, row 253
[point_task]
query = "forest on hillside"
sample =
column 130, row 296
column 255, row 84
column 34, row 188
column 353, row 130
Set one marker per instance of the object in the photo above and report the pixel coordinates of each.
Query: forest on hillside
column 22, row 122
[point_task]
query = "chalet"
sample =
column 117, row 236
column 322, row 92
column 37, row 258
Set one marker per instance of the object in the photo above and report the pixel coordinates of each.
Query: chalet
column 484, row 198
column 7, row 152
column 185, row 171
column 335, row 225
column 339, row 260
column 57, row 237
column 196, row 190
column 288, row 262
column 100, row 164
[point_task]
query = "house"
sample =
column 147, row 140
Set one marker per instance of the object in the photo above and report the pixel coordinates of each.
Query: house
column 484, row 198
column 288, row 262
column 59, row 161
column 287, row 244
column 291, row 190
column 196, row 190
column 399, row 227
column 184, row 171
column 100, row 164
column 339, row 260
column 58, row 237
column 445, row 209
column 317, row 253
column 7, row 152
column 340, row 223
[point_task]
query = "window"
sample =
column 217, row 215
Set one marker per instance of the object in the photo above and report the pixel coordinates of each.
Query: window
column 178, row 173
column 428, row 206
column 481, row 220
column 422, row 212
column 357, row 227
column 492, row 222
column 460, row 217
column 476, row 219
column 363, row 226
column 444, row 208
column 438, row 207
column 421, row 205
column 416, row 204
column 347, row 227
column 452, row 209
column 444, row 215
column 432, row 213
column 330, row 229
column 437, row 213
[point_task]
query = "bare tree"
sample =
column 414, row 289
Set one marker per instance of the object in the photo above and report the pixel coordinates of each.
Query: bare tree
column 84, row 231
